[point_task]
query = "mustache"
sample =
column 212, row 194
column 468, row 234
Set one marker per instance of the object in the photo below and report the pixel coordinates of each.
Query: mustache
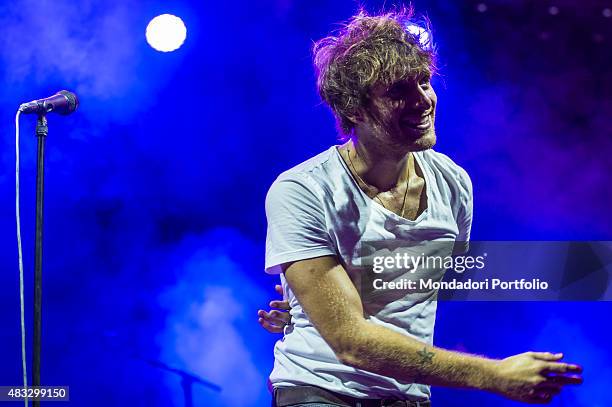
column 416, row 113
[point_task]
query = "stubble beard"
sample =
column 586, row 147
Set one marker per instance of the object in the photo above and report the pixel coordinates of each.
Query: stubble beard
column 397, row 141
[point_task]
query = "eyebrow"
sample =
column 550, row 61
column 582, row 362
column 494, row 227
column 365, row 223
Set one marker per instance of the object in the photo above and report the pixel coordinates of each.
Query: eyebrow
column 406, row 81
column 419, row 76
column 422, row 75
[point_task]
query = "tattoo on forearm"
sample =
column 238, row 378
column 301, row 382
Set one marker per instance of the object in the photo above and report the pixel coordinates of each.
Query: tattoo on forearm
column 425, row 356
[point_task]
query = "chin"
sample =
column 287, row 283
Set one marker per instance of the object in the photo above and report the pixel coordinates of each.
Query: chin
column 419, row 142
column 426, row 142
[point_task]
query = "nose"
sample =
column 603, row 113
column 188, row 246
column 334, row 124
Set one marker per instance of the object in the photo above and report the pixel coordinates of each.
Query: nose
column 421, row 100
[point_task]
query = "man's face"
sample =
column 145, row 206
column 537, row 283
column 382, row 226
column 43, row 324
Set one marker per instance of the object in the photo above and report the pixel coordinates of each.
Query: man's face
column 401, row 117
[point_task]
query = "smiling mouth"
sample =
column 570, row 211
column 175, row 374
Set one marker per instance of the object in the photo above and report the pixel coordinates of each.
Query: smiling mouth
column 419, row 124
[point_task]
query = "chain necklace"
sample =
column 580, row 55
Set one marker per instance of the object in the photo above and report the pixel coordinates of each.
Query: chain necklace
column 369, row 187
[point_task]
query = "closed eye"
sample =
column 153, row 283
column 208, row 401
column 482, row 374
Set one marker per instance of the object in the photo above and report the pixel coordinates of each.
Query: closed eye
column 425, row 82
column 397, row 91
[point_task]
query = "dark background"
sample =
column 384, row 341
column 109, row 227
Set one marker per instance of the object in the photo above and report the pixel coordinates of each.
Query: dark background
column 154, row 233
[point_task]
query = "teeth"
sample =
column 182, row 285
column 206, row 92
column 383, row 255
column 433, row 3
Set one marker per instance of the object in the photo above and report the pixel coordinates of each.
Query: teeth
column 415, row 122
column 421, row 123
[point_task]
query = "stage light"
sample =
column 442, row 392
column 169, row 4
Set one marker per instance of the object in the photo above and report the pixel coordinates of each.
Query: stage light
column 606, row 12
column 421, row 33
column 553, row 10
column 481, row 7
column 166, row 33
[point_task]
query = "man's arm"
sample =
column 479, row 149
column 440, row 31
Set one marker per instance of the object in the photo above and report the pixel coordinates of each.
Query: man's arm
column 333, row 305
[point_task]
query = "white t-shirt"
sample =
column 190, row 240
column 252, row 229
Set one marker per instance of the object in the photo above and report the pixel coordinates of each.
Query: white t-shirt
column 317, row 209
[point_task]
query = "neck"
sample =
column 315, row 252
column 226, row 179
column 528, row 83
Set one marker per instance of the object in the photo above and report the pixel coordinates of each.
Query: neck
column 384, row 170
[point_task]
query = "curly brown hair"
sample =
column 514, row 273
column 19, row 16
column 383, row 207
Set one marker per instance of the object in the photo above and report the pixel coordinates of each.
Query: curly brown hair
column 369, row 50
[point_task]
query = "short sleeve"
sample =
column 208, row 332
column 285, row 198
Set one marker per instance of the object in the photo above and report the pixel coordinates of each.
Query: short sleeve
column 464, row 213
column 296, row 224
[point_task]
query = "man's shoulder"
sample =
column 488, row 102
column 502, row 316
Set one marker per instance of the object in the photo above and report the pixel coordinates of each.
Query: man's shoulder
column 445, row 164
column 309, row 166
column 440, row 159
column 304, row 179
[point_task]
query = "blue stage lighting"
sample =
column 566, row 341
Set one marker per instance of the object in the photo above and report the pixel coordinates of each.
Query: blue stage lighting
column 166, row 33
column 421, row 33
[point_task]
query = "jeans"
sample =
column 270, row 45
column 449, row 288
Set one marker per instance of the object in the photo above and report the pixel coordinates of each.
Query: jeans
column 310, row 396
column 314, row 405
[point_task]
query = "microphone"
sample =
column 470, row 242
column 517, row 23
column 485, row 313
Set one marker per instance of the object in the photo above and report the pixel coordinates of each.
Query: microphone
column 63, row 102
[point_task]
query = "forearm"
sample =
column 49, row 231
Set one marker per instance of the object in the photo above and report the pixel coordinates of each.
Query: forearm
column 380, row 350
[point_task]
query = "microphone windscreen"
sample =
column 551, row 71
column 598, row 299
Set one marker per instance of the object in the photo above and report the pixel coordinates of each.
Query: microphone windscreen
column 73, row 102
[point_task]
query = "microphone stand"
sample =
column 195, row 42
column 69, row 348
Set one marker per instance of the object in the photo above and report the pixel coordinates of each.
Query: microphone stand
column 187, row 380
column 41, row 133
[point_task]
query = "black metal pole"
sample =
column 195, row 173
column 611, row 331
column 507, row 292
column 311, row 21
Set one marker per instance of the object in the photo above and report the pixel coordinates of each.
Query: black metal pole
column 41, row 134
column 187, row 379
column 187, row 383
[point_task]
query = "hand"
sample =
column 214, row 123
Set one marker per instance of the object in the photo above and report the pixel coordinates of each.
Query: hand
column 275, row 321
column 534, row 377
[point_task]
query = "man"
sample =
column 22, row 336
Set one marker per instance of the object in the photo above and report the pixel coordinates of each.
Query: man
column 385, row 183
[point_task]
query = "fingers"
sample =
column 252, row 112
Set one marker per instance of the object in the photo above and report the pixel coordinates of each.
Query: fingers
column 542, row 395
column 554, row 375
column 555, row 372
column 284, row 305
column 275, row 329
column 540, row 398
column 554, row 367
column 544, row 392
column 549, row 388
column 280, row 304
column 274, row 321
column 276, row 317
column 546, row 356
column 563, row 380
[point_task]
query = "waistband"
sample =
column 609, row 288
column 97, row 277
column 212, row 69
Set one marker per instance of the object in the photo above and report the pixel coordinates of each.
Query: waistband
column 287, row 396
